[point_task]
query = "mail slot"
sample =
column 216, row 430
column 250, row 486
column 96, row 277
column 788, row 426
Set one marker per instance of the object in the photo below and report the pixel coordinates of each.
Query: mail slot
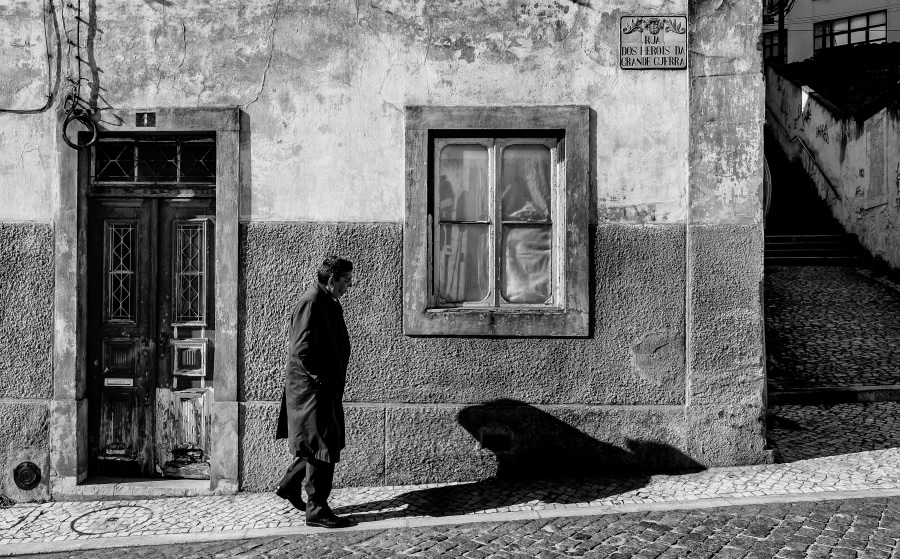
column 118, row 382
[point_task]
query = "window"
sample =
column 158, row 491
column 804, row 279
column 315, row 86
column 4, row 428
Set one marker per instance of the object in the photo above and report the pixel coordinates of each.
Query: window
column 496, row 239
column 153, row 161
column 853, row 30
column 770, row 46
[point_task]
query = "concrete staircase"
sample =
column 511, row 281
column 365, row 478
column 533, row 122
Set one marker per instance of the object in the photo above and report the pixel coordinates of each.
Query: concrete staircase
column 800, row 229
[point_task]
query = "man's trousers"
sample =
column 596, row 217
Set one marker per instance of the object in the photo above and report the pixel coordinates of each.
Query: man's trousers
column 316, row 477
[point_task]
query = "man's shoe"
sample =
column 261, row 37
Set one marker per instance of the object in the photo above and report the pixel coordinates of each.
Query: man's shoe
column 295, row 500
column 330, row 521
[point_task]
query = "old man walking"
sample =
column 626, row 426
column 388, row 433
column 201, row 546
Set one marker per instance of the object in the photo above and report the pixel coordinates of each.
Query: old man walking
column 312, row 413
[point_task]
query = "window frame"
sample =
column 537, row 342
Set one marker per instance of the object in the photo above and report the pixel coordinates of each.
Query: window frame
column 568, row 315
column 824, row 31
column 495, row 145
column 771, row 40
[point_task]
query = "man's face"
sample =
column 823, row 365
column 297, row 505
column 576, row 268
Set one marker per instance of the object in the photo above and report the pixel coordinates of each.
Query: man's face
column 340, row 285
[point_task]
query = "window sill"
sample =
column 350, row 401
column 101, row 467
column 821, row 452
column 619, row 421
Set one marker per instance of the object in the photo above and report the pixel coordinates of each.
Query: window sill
column 543, row 323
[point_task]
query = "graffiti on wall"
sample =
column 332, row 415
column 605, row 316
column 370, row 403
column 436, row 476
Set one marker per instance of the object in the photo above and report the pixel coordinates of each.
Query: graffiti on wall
column 822, row 132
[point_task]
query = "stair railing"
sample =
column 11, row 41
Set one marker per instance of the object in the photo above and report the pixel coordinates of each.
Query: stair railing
column 796, row 138
column 767, row 187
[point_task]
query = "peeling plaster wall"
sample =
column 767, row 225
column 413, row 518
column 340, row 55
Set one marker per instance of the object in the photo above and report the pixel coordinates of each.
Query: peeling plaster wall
column 855, row 165
column 725, row 353
column 326, row 81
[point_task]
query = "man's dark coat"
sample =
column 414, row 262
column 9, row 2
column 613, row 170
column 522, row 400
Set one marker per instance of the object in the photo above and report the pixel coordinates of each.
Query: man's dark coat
column 312, row 413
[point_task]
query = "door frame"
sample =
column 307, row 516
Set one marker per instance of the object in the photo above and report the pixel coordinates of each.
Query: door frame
column 69, row 436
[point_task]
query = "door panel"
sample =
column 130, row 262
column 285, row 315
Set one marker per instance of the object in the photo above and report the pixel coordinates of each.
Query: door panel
column 121, row 284
column 150, row 335
column 186, row 330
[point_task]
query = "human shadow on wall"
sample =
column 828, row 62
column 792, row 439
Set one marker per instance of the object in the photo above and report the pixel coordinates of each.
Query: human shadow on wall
column 540, row 459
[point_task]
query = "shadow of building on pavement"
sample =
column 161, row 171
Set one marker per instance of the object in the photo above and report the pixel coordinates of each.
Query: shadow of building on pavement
column 804, row 432
column 541, row 460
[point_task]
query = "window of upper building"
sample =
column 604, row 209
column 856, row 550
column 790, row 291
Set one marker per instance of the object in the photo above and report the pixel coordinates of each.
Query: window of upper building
column 853, row 30
column 770, row 46
column 496, row 239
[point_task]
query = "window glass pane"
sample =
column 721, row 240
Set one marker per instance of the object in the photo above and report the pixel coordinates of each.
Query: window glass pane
column 463, row 183
column 526, row 264
column 839, row 25
column 818, row 29
column 858, row 22
column 115, row 161
column 157, row 162
column 462, row 263
column 839, row 40
column 525, row 182
column 877, row 33
column 858, row 37
column 878, row 18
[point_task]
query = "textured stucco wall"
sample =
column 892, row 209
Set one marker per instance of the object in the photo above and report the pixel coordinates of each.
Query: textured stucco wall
column 635, row 355
column 418, row 385
column 26, row 310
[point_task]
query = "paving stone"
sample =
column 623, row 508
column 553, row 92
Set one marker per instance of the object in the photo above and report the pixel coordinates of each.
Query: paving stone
column 830, row 326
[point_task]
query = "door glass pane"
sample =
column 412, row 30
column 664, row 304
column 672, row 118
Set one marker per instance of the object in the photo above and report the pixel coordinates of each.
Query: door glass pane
column 190, row 273
column 857, row 22
column 198, row 162
column 878, row 18
column 157, row 162
column 120, row 268
column 526, row 264
column 462, row 263
column 525, row 182
column 114, row 161
column 463, row 183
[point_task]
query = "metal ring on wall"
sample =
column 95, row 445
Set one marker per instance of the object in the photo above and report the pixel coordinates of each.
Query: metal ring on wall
column 87, row 122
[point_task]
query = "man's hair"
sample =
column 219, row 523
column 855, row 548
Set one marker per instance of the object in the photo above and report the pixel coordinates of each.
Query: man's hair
column 333, row 267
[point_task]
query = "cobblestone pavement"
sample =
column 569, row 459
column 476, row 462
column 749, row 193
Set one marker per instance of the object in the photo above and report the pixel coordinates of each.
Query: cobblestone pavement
column 25, row 524
column 804, row 432
column 830, row 326
column 841, row 528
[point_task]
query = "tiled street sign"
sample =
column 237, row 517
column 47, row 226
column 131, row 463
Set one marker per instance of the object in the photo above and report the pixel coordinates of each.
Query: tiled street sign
column 653, row 42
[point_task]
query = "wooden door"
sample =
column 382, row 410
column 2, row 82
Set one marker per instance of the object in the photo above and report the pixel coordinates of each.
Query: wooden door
column 185, row 329
column 150, row 335
column 121, row 322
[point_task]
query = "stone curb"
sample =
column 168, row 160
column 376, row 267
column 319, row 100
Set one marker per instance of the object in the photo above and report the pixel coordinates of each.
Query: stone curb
column 12, row 550
column 835, row 395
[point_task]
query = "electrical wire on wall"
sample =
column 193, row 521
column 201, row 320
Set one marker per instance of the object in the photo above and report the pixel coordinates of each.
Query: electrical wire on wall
column 76, row 107
column 52, row 81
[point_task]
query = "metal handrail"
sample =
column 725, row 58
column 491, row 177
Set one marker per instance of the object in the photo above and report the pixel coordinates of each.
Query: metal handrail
column 767, row 187
column 808, row 152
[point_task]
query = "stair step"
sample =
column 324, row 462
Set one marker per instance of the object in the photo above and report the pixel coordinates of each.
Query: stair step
column 810, row 261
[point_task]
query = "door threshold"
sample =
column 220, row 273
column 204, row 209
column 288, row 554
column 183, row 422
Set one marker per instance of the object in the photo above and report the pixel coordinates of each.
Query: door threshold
column 105, row 488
